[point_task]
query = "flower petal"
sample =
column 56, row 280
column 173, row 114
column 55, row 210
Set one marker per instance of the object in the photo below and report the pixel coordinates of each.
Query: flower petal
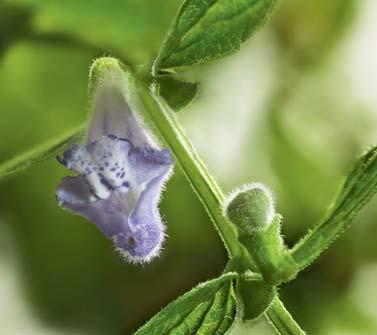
column 114, row 108
column 74, row 191
column 147, row 164
column 131, row 219
column 109, row 215
column 145, row 223
column 121, row 170
column 112, row 163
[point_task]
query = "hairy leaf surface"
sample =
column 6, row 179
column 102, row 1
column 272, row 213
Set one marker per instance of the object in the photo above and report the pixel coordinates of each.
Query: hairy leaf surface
column 178, row 94
column 209, row 308
column 359, row 187
column 207, row 30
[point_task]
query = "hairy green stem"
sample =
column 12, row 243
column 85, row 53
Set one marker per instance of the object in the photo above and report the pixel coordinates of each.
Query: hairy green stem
column 282, row 320
column 202, row 182
column 207, row 191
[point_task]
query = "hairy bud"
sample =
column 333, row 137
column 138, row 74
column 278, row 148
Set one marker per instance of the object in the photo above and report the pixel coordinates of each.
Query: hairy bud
column 251, row 208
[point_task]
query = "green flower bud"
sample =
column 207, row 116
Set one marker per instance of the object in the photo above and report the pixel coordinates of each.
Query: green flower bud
column 251, row 208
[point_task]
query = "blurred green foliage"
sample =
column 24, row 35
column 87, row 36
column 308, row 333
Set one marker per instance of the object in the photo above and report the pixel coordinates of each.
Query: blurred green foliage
column 307, row 30
column 69, row 274
column 131, row 30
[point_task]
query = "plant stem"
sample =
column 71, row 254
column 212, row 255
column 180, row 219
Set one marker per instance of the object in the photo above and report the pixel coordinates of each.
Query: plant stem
column 207, row 191
column 202, row 182
column 39, row 153
column 282, row 320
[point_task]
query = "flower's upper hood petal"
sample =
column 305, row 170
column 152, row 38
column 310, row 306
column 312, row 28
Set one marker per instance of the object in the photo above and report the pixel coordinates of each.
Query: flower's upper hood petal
column 114, row 108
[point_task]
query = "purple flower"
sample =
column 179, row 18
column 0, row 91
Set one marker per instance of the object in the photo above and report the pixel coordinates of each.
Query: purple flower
column 120, row 170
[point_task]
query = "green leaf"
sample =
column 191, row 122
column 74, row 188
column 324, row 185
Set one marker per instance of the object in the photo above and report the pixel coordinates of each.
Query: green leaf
column 39, row 153
column 359, row 187
column 254, row 296
column 207, row 30
column 178, row 94
column 209, row 308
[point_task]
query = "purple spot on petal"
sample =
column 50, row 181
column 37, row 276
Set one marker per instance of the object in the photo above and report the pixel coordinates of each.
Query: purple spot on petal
column 105, row 183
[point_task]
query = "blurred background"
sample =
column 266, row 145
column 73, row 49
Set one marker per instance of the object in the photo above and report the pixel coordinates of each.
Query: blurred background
column 293, row 109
